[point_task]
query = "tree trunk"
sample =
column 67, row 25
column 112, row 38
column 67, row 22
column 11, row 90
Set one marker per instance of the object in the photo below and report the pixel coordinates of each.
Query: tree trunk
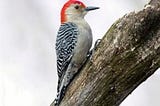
column 126, row 56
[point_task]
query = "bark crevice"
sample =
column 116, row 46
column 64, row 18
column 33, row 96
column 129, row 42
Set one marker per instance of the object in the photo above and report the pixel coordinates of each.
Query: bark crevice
column 127, row 55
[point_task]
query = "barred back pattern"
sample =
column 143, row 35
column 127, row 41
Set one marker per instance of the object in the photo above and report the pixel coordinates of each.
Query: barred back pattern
column 65, row 44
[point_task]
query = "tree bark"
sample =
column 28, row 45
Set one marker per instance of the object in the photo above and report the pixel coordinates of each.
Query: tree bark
column 127, row 55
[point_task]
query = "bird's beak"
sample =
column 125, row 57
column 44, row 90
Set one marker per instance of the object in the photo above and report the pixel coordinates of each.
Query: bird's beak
column 91, row 8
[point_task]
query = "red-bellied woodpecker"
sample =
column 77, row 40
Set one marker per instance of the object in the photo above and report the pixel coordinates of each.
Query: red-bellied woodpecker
column 73, row 42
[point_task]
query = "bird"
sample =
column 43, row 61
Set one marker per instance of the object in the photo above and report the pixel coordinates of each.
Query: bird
column 73, row 43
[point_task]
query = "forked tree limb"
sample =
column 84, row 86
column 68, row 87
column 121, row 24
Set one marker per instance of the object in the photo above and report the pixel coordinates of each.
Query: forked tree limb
column 127, row 55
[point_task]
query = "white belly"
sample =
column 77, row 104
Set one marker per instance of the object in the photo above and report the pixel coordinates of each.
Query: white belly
column 84, row 44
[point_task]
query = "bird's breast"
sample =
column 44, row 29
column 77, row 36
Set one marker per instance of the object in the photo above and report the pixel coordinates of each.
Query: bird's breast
column 84, row 42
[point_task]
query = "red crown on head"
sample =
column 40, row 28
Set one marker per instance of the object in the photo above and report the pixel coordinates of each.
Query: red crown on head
column 66, row 5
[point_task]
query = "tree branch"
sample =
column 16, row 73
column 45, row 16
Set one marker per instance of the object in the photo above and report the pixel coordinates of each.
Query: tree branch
column 127, row 55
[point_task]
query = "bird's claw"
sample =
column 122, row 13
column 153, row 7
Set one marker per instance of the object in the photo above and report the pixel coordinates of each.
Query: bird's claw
column 90, row 53
column 96, row 44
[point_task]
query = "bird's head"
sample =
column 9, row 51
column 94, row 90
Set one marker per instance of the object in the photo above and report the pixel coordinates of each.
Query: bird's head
column 74, row 10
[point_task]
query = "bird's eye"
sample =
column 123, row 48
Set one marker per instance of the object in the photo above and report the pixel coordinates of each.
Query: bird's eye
column 76, row 7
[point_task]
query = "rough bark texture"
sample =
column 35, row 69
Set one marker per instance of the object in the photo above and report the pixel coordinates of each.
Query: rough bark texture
column 127, row 55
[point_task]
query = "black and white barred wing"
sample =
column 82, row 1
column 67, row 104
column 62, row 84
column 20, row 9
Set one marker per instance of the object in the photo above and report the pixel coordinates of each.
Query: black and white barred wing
column 65, row 43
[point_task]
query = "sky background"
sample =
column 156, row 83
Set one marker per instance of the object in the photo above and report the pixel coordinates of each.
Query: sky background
column 28, row 31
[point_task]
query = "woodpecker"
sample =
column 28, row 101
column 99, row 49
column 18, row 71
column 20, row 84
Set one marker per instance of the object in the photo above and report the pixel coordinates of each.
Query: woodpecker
column 73, row 42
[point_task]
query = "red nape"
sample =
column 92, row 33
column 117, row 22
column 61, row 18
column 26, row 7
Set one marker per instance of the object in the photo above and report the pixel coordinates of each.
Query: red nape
column 66, row 5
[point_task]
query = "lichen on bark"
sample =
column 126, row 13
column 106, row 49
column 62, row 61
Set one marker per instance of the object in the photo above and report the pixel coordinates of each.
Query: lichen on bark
column 126, row 56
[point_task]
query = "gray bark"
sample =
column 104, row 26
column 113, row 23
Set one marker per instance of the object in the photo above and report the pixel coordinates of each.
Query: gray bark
column 127, row 55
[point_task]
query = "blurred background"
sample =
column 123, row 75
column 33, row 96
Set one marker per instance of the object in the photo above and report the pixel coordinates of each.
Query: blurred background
column 28, row 31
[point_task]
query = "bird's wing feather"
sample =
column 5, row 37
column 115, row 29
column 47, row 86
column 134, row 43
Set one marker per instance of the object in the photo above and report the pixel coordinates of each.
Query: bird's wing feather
column 65, row 43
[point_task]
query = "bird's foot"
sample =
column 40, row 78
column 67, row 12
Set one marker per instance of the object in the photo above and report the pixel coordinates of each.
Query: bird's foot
column 90, row 53
column 96, row 44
